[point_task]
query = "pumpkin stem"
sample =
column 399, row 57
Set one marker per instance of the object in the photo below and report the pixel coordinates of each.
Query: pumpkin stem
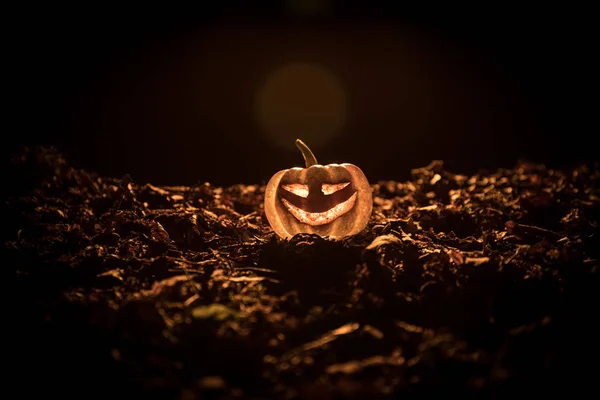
column 308, row 155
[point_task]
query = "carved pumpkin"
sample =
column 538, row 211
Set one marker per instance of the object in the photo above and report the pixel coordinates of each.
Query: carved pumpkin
column 329, row 200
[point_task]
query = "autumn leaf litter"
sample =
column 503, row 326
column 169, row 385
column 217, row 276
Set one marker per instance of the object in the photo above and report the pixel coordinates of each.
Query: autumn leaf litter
column 458, row 284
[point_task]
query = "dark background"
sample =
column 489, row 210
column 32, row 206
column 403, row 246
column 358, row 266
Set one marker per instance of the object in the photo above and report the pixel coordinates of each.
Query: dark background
column 168, row 95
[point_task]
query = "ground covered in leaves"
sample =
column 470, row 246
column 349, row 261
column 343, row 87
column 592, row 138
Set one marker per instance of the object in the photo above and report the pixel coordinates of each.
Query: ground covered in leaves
column 486, row 285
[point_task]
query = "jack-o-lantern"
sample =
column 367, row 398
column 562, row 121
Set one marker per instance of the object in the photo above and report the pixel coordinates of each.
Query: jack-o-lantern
column 332, row 200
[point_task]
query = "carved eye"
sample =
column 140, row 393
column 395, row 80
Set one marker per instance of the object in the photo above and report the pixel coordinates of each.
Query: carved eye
column 296, row 188
column 328, row 188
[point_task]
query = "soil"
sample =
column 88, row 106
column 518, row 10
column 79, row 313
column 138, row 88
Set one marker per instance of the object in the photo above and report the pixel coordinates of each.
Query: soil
column 484, row 285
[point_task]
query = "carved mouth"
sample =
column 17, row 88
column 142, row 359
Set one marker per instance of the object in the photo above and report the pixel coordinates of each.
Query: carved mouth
column 321, row 218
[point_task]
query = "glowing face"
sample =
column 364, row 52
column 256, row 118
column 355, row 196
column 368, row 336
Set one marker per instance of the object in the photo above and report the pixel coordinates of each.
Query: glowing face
column 319, row 204
column 333, row 200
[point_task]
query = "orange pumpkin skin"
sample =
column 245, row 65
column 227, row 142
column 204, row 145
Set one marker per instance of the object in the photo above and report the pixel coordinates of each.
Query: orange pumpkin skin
column 343, row 212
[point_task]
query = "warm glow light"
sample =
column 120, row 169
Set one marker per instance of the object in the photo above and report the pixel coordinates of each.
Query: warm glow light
column 296, row 188
column 301, row 100
column 321, row 218
column 328, row 188
column 302, row 190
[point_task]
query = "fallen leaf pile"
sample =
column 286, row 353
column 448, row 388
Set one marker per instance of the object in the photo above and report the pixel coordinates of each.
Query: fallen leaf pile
column 485, row 284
